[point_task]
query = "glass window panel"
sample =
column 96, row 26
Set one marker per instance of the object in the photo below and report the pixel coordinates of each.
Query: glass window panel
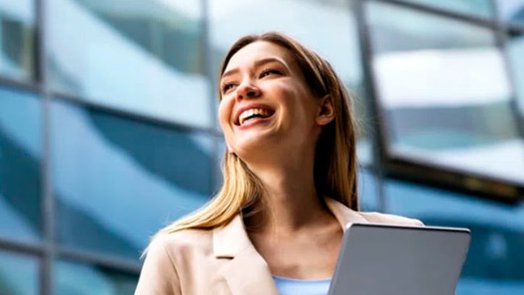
column 495, row 258
column 511, row 11
column 481, row 8
column 17, row 25
column 120, row 180
column 18, row 274
column 333, row 34
column 515, row 49
column 445, row 93
column 368, row 191
column 20, row 159
column 83, row 279
column 141, row 56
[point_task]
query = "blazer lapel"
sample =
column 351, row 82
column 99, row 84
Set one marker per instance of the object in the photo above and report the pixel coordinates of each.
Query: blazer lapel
column 246, row 272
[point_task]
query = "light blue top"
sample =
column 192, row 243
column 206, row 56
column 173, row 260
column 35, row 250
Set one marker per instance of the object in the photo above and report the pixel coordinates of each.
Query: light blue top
column 288, row 286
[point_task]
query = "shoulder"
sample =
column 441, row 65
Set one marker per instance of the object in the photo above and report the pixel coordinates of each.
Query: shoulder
column 169, row 258
column 376, row 217
column 181, row 242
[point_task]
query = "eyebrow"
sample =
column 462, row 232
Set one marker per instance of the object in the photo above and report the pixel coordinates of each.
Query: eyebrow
column 257, row 63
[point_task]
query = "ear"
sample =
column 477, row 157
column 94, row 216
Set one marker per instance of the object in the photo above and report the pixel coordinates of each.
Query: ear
column 326, row 112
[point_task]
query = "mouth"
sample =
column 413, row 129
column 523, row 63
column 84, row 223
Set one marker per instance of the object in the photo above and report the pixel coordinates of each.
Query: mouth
column 254, row 113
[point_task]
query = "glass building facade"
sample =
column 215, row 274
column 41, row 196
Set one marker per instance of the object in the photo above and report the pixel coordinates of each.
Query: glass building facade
column 108, row 128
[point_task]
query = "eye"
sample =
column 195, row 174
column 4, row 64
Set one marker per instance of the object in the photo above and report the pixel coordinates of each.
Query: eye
column 227, row 86
column 269, row 72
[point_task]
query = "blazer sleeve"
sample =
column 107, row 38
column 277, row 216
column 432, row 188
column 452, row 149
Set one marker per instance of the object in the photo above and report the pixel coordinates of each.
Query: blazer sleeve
column 159, row 275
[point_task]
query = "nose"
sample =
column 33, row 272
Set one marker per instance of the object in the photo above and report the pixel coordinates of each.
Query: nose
column 247, row 90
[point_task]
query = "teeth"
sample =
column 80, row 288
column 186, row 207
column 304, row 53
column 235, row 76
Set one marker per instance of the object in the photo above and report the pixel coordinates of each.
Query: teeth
column 251, row 112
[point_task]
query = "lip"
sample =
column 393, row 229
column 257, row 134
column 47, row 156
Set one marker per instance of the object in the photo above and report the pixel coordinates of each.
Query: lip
column 250, row 106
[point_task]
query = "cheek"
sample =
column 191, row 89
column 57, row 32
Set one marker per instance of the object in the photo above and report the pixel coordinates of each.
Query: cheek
column 224, row 113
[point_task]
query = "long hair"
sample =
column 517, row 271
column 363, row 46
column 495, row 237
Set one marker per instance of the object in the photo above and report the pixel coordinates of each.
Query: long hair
column 335, row 155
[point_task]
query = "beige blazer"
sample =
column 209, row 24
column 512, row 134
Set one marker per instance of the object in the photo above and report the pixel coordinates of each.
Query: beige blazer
column 223, row 260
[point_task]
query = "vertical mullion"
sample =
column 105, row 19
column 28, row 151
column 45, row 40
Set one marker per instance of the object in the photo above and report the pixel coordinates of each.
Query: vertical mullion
column 373, row 109
column 46, row 267
column 207, row 60
column 501, row 39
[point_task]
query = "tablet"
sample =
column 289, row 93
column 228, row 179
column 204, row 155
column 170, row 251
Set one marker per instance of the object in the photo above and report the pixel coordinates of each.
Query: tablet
column 378, row 259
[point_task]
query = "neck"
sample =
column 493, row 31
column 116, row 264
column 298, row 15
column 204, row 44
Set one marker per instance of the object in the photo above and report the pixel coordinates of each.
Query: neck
column 290, row 199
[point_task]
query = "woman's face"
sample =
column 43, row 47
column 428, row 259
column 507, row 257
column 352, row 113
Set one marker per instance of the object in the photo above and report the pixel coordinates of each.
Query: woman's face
column 266, row 101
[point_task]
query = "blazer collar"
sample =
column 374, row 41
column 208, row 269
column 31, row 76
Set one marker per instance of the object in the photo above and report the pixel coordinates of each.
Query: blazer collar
column 343, row 214
column 247, row 272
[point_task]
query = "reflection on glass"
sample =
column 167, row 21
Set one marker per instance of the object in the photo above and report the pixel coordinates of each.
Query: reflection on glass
column 17, row 38
column 20, row 154
column 495, row 258
column 445, row 93
column 18, row 274
column 82, row 279
column 515, row 48
column 141, row 56
column 118, row 181
column 511, row 11
column 481, row 8
column 333, row 33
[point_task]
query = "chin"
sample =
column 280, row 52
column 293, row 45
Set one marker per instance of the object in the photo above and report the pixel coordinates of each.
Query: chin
column 254, row 145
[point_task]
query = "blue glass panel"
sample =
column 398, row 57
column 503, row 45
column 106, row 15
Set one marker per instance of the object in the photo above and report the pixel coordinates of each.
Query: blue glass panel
column 20, row 159
column 368, row 191
column 445, row 93
column 83, row 279
column 17, row 26
column 515, row 47
column 18, row 274
column 495, row 258
column 511, row 11
column 482, row 8
column 117, row 181
column 141, row 56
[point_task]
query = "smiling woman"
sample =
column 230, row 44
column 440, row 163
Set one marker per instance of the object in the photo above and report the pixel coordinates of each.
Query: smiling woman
column 289, row 187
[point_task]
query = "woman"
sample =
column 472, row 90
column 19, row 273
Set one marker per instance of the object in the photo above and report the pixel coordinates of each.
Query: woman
column 289, row 182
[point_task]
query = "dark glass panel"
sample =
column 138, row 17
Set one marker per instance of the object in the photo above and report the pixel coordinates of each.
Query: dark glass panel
column 141, row 56
column 117, row 181
column 84, row 279
column 20, row 159
column 495, row 259
column 445, row 93
column 18, row 274
column 17, row 26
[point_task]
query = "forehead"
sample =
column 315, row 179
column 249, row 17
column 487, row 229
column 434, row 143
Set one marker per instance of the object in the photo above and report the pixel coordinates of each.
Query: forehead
column 256, row 51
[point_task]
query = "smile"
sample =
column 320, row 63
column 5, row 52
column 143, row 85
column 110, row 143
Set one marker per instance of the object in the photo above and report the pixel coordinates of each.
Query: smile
column 253, row 113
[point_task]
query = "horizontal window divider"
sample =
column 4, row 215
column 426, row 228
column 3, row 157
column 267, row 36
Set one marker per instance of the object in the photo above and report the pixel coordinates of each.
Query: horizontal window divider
column 23, row 85
column 38, row 248
column 455, row 180
column 514, row 29
column 103, row 260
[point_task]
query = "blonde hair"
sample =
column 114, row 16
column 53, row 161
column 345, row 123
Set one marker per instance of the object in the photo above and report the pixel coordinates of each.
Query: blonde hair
column 335, row 156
